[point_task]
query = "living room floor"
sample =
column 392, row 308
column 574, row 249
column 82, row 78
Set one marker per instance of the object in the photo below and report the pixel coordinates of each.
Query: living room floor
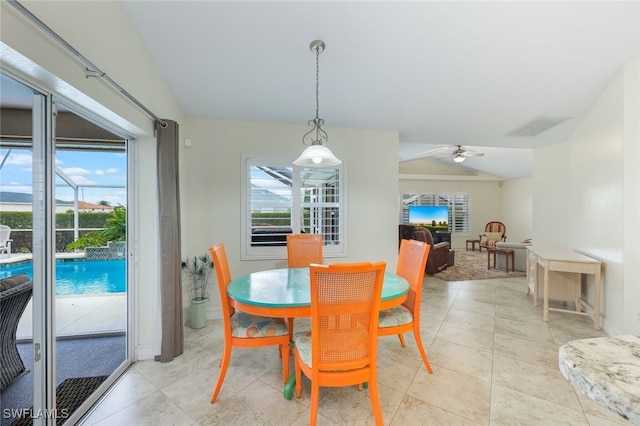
column 495, row 362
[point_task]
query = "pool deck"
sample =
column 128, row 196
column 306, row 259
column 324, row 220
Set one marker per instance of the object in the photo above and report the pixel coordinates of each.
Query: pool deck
column 81, row 315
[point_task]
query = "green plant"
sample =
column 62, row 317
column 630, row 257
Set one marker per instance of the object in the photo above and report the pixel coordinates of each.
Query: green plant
column 90, row 239
column 116, row 225
column 197, row 271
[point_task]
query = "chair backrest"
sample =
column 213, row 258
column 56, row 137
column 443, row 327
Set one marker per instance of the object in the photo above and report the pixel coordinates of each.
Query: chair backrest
column 304, row 249
column 5, row 233
column 223, row 274
column 345, row 302
column 412, row 260
column 495, row 227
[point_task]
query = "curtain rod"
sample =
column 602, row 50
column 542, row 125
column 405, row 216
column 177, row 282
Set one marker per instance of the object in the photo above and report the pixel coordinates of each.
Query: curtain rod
column 91, row 69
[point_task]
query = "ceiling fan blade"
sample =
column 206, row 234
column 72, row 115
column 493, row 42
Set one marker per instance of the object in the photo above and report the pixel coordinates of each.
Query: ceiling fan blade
column 472, row 154
column 425, row 154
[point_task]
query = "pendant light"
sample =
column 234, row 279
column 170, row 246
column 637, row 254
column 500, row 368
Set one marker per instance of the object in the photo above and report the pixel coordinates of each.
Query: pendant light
column 316, row 154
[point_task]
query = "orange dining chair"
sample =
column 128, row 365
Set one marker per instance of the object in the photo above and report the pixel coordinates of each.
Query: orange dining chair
column 406, row 317
column 341, row 348
column 242, row 329
column 302, row 251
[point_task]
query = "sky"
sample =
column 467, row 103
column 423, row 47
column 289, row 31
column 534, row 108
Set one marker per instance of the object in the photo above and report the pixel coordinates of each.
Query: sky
column 86, row 169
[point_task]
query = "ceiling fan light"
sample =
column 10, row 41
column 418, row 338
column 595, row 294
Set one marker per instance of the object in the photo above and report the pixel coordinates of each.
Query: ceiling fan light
column 317, row 156
column 458, row 158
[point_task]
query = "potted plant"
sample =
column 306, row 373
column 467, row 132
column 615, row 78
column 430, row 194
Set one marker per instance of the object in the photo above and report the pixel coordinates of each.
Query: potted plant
column 197, row 271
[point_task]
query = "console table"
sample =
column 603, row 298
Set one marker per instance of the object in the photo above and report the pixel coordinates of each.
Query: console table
column 564, row 260
column 607, row 370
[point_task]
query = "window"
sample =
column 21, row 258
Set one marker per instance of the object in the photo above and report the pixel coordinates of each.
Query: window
column 281, row 198
column 458, row 204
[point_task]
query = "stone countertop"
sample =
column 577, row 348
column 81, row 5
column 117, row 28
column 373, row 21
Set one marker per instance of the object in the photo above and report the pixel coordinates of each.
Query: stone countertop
column 607, row 370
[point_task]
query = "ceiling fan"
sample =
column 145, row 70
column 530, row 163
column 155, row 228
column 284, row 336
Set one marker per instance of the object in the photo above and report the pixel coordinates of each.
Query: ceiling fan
column 458, row 155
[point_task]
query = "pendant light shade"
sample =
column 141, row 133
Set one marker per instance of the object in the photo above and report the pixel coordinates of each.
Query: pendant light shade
column 316, row 154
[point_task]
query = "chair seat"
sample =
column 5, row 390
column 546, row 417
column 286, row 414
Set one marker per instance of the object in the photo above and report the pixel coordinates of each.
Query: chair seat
column 253, row 326
column 398, row 315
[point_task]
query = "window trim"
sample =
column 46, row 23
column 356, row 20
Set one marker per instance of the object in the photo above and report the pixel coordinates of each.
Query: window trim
column 280, row 252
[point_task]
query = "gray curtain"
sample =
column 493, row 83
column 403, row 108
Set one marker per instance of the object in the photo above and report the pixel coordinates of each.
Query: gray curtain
column 170, row 250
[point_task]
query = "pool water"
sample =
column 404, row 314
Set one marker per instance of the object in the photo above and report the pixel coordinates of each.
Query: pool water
column 79, row 276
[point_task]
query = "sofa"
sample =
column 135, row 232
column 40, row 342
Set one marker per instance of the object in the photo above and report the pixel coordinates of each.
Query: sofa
column 519, row 255
column 15, row 293
column 440, row 255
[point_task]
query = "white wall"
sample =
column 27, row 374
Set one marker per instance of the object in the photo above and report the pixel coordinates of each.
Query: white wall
column 585, row 196
column 211, row 192
column 101, row 32
column 517, row 209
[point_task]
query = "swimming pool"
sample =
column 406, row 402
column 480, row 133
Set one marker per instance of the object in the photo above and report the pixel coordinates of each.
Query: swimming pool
column 79, row 276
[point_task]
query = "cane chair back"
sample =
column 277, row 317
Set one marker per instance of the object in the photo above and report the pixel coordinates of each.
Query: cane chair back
column 304, row 249
column 341, row 349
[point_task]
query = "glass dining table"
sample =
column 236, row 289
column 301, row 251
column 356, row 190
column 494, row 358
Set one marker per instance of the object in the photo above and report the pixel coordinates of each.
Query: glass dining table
column 284, row 293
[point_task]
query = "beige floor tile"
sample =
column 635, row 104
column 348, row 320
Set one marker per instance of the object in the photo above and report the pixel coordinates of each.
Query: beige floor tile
column 510, row 407
column 256, row 404
column 540, row 382
column 457, row 393
column 467, row 336
column 131, row 388
column 471, row 319
column 155, row 409
column 463, row 359
column 413, row 411
column 523, row 330
column 535, row 353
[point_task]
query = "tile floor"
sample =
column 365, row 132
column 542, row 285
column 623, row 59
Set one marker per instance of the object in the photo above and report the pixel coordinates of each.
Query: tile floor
column 494, row 360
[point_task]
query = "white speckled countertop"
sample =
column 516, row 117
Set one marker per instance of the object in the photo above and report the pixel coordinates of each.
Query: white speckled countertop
column 607, row 370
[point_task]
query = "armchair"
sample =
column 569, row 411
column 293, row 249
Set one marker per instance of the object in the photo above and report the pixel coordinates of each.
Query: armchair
column 440, row 254
column 15, row 293
column 493, row 232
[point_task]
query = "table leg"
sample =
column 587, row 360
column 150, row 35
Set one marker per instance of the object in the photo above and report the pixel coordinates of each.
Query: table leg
column 596, row 300
column 545, row 292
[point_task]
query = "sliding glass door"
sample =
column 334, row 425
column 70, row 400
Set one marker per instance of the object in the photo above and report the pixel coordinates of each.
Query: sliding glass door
column 64, row 181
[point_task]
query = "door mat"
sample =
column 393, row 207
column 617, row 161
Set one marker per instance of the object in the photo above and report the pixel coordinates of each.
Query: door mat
column 70, row 394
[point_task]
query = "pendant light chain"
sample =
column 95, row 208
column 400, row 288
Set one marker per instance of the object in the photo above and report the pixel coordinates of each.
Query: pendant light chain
column 317, row 81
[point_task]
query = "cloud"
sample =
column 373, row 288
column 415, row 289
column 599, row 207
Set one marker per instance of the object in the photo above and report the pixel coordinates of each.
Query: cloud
column 99, row 172
column 19, row 159
column 81, row 180
column 112, row 170
column 78, row 171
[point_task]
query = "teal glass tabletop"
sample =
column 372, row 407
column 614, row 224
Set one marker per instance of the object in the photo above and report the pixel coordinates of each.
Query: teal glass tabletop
column 279, row 288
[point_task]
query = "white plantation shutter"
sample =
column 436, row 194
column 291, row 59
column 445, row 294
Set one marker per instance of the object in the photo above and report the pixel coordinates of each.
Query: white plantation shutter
column 281, row 199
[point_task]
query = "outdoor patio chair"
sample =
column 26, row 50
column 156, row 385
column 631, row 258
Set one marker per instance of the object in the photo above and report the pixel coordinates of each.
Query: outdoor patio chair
column 5, row 241
column 15, row 293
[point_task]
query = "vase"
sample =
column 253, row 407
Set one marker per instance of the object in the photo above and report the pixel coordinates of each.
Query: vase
column 198, row 313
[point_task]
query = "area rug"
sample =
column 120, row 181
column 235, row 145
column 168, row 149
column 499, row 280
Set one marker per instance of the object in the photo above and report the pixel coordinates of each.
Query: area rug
column 70, row 394
column 472, row 265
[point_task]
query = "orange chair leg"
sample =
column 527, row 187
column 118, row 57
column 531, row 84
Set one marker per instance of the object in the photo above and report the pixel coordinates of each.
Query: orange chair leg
column 375, row 402
column 224, row 364
column 401, row 337
column 284, row 353
column 298, row 380
column 313, row 409
column 423, row 354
